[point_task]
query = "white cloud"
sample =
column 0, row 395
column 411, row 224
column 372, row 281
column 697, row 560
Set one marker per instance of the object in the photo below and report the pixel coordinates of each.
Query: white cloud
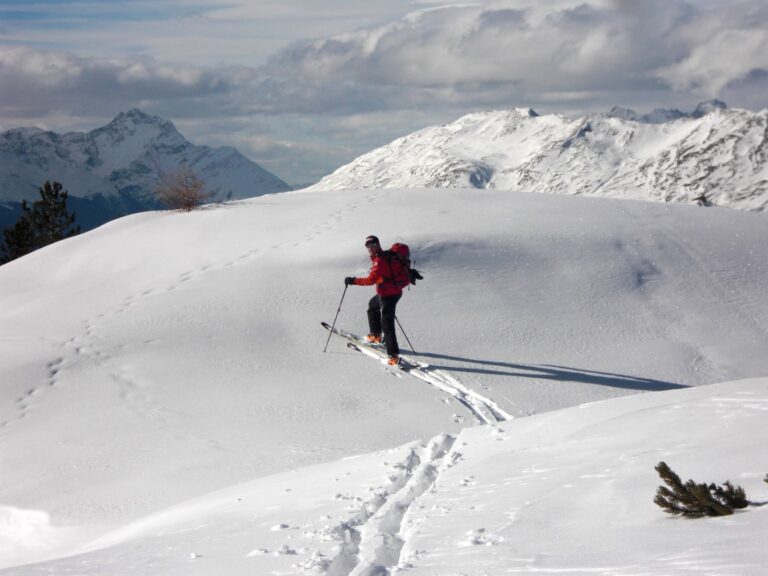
column 429, row 65
column 493, row 53
column 44, row 68
column 728, row 56
column 606, row 45
column 201, row 32
column 31, row 82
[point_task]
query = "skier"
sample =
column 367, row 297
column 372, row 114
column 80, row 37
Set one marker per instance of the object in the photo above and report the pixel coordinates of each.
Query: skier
column 381, row 308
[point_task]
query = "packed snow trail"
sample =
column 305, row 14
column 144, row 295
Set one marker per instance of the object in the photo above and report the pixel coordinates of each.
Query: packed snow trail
column 372, row 541
column 484, row 409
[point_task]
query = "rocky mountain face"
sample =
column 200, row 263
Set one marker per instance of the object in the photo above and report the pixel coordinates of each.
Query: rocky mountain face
column 714, row 155
column 113, row 170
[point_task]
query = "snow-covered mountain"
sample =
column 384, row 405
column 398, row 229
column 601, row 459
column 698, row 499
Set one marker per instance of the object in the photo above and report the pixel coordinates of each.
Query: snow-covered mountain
column 714, row 153
column 171, row 411
column 113, row 170
column 662, row 115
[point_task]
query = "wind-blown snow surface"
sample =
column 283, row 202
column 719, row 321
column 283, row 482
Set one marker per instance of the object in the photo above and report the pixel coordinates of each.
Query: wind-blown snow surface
column 166, row 407
column 721, row 155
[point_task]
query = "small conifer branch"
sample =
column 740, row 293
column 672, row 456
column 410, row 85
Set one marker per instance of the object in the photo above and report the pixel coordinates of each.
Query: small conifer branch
column 693, row 500
column 730, row 495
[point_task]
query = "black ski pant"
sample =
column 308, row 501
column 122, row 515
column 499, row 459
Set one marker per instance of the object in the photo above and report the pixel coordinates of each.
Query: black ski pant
column 381, row 318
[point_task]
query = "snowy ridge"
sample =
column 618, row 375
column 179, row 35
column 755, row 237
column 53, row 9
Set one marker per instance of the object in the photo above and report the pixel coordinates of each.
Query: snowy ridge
column 715, row 155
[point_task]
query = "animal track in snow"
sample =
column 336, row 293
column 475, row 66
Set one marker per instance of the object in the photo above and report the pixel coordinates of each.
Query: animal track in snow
column 481, row 537
column 26, row 401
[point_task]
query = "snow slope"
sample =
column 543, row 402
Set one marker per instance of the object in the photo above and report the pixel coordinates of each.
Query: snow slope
column 166, row 407
column 718, row 153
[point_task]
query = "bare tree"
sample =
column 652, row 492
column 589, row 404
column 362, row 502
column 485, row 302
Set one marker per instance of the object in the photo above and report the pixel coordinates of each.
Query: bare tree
column 182, row 189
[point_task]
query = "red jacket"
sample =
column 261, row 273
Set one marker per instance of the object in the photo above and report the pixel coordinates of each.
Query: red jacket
column 380, row 275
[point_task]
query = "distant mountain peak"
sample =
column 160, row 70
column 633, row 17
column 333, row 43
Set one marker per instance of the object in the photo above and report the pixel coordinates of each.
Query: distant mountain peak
column 138, row 116
column 662, row 115
column 26, row 131
column 705, row 108
column 133, row 118
column 623, row 113
column 119, row 165
column 665, row 155
column 523, row 112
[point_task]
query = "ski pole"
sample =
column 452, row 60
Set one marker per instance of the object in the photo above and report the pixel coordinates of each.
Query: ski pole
column 404, row 334
column 337, row 316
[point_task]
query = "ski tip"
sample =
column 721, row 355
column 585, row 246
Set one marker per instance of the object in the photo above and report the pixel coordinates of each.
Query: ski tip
column 325, row 325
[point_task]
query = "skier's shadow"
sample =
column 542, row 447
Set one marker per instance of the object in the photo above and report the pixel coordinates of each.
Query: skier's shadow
column 548, row 372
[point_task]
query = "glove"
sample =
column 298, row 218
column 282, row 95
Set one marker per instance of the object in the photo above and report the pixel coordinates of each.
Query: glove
column 415, row 275
column 349, row 280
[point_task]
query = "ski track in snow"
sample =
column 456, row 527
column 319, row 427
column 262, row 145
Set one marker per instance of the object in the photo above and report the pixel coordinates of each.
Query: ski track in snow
column 484, row 409
column 372, row 540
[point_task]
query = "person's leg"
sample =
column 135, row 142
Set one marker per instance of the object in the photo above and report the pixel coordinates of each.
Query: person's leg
column 388, row 307
column 374, row 316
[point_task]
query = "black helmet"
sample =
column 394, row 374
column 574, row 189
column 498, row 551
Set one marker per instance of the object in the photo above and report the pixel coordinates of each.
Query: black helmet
column 371, row 240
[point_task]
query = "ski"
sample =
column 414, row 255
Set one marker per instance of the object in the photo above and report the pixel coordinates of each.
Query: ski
column 421, row 371
column 349, row 335
column 375, row 351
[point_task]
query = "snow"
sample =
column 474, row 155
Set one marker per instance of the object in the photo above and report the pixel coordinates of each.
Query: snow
column 715, row 152
column 166, row 407
column 125, row 139
column 126, row 157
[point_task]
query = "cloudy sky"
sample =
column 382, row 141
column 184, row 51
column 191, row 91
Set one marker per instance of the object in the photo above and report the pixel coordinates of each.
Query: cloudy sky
column 303, row 86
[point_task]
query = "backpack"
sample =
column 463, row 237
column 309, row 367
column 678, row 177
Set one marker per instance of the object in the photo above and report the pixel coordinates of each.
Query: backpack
column 399, row 260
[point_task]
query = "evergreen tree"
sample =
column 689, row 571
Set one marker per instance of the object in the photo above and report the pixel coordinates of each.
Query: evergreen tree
column 49, row 216
column 694, row 500
column 18, row 241
column 43, row 222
